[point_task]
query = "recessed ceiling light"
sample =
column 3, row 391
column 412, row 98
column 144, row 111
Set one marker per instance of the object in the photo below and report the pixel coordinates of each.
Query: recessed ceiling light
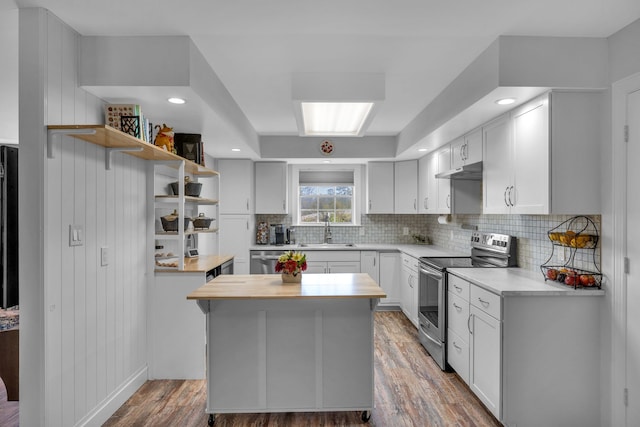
column 235, row 149
column 176, row 100
column 505, row 101
column 422, row 149
column 335, row 118
column 326, row 161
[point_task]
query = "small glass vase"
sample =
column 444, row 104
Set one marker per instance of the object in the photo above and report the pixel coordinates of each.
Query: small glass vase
column 290, row 278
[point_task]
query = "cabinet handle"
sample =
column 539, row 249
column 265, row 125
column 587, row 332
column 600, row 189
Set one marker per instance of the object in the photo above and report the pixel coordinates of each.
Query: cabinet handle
column 510, row 190
column 369, row 204
column 247, row 205
column 483, row 302
column 456, row 346
column 469, row 324
column 458, row 288
column 466, row 151
column 424, row 203
column 415, row 204
column 448, row 201
column 457, row 307
column 284, row 205
column 374, row 262
column 247, row 225
column 462, row 152
column 505, row 196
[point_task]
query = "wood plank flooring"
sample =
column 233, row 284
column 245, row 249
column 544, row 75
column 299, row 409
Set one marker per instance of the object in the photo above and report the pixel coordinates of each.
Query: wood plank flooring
column 8, row 409
column 410, row 390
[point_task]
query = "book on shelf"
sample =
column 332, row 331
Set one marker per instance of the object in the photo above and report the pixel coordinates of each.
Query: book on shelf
column 129, row 119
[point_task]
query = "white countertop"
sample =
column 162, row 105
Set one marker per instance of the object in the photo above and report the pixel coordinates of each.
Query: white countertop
column 416, row 251
column 519, row 282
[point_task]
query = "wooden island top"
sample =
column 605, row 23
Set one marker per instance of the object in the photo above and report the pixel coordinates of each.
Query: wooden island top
column 270, row 286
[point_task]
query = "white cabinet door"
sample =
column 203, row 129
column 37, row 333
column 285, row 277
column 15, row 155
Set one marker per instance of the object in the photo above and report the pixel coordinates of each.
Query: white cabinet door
column 316, row 267
column 236, row 233
column 369, row 263
column 530, row 156
column 427, row 184
column 473, row 147
column 444, row 185
column 485, row 359
column 496, row 170
column 380, row 187
column 409, row 288
column 236, row 184
column 457, row 152
column 390, row 277
column 271, row 188
column 343, row 267
column 406, row 187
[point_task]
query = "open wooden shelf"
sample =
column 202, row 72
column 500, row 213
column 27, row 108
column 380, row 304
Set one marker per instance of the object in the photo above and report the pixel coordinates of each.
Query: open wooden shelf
column 112, row 138
column 172, row 234
column 162, row 198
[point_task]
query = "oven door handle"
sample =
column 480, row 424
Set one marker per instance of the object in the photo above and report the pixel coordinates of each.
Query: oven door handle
column 425, row 334
column 430, row 273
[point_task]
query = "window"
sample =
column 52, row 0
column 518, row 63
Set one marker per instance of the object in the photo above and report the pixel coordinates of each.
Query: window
column 321, row 202
column 322, row 192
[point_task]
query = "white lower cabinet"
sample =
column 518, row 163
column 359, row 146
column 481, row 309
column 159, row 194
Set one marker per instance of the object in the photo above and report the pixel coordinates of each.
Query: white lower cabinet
column 389, row 278
column 485, row 358
column 333, row 261
column 532, row 360
column 409, row 288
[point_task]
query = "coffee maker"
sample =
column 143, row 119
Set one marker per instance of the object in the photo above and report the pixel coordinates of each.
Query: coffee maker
column 279, row 233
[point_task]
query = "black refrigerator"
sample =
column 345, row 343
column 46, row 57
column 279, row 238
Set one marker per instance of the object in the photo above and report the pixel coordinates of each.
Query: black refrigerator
column 8, row 226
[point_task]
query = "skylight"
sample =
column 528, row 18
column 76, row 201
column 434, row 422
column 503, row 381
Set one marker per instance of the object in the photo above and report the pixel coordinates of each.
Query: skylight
column 335, row 118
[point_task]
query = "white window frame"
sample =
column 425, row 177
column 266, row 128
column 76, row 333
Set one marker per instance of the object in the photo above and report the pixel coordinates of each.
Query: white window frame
column 358, row 191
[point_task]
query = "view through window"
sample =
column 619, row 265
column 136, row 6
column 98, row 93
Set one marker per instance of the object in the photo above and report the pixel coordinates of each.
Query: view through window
column 319, row 203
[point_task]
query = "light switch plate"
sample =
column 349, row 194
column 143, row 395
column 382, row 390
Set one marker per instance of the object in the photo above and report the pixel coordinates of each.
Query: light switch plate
column 76, row 235
column 104, row 256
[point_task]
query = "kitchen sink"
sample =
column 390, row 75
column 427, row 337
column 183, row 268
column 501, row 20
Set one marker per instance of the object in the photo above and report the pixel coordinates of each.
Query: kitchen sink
column 327, row 245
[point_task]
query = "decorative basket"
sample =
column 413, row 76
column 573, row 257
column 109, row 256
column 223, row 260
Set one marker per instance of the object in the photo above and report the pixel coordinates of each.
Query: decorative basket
column 190, row 188
column 170, row 222
column 202, row 222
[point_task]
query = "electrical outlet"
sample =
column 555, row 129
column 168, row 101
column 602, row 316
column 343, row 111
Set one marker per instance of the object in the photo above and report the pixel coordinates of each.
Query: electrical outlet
column 362, row 231
column 405, row 231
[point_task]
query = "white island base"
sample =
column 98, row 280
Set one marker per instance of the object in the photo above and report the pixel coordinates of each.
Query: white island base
column 293, row 353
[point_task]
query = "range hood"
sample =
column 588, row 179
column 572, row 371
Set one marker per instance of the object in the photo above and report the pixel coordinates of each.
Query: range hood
column 468, row 172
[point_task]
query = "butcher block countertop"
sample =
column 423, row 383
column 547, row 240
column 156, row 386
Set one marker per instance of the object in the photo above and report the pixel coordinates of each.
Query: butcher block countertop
column 202, row 263
column 267, row 286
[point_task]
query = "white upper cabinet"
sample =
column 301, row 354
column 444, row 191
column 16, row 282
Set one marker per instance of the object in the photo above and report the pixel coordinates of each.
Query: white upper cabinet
column 544, row 157
column 427, row 184
column 443, row 205
column 271, row 188
column 236, row 185
column 467, row 149
column 406, row 187
column 496, row 167
column 380, row 188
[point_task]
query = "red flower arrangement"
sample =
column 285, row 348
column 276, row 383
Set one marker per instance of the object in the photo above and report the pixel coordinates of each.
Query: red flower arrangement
column 291, row 262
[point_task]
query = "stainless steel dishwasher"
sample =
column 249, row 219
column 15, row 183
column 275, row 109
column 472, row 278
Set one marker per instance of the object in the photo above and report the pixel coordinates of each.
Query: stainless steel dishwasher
column 264, row 262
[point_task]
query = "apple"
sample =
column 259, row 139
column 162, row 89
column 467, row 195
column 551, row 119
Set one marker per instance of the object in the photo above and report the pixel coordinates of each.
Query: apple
column 552, row 274
column 587, row 280
column 570, row 280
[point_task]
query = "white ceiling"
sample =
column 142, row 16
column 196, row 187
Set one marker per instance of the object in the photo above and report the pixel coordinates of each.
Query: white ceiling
column 254, row 46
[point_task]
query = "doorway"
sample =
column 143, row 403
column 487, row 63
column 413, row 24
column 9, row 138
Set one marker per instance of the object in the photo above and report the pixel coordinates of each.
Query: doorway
column 626, row 279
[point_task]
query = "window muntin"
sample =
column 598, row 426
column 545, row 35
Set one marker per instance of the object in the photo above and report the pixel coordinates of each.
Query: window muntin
column 318, row 202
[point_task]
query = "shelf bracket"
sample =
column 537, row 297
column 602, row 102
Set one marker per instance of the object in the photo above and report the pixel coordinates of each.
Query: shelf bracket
column 59, row 132
column 107, row 158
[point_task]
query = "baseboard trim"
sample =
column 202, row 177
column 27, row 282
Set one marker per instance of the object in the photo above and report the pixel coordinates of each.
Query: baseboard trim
column 101, row 413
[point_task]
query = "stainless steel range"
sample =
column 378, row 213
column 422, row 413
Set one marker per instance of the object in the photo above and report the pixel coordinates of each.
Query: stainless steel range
column 488, row 250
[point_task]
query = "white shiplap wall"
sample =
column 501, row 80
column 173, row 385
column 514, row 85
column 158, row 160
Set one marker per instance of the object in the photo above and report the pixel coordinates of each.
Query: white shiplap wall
column 87, row 320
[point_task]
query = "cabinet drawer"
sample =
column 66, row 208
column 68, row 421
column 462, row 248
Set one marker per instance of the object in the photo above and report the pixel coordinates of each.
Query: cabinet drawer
column 458, row 286
column 409, row 261
column 486, row 301
column 458, row 355
column 457, row 314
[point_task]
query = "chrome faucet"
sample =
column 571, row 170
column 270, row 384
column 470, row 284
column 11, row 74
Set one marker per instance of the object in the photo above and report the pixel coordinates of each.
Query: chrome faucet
column 327, row 229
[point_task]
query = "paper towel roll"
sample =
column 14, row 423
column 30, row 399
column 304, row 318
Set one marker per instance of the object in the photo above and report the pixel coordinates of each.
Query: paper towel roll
column 444, row 219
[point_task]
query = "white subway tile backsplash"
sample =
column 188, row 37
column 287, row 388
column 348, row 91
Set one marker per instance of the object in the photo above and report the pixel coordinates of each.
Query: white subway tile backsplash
column 534, row 246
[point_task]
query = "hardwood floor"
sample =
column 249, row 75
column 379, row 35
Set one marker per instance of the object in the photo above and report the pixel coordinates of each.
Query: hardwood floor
column 410, row 390
column 8, row 409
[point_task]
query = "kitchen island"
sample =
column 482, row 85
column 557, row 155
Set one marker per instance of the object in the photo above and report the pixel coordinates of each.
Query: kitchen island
column 274, row 347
